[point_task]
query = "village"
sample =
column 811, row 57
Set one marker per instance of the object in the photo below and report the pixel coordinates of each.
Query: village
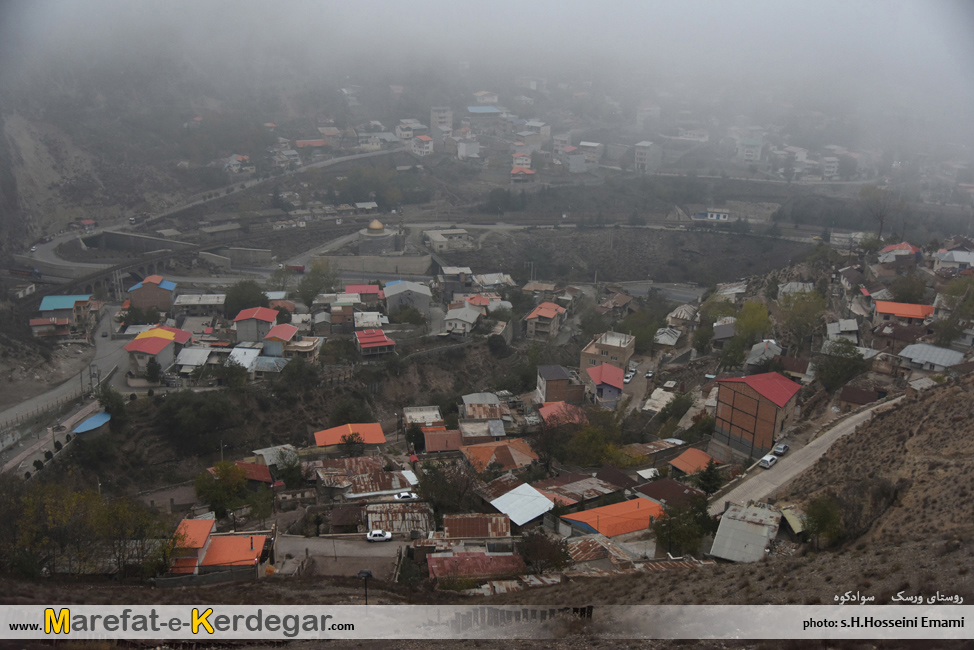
column 583, row 427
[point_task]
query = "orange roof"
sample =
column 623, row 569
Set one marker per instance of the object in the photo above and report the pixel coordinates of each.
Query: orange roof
column 509, row 454
column 619, row 518
column 520, row 154
column 692, row 461
column 546, row 310
column 236, row 550
column 193, row 533
column 480, row 301
column 424, row 138
column 562, row 413
column 260, row 313
column 150, row 345
column 903, row 310
column 283, row 332
column 371, row 434
column 153, row 279
column 183, row 565
column 522, row 170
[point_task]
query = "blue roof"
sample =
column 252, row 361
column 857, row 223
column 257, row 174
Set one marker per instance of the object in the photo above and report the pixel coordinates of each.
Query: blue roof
column 168, row 285
column 51, row 303
column 92, row 423
column 483, row 109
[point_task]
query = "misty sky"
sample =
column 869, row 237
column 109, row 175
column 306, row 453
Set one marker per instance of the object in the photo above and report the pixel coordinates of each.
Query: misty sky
column 923, row 49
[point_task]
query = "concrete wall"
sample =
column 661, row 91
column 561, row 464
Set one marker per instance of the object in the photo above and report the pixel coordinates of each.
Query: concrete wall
column 219, row 261
column 411, row 265
column 248, row 256
column 123, row 241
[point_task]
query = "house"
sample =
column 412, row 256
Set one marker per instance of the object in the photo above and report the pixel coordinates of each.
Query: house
column 476, row 432
column 593, row 151
column 795, row 368
column 691, row 462
column 557, row 414
column 400, row 295
column 596, row 555
column 544, row 321
column 277, row 338
column 682, row 316
column 449, row 239
column 189, row 543
column 522, row 504
column 400, row 518
column 648, row 157
column 461, row 321
column 379, row 484
column 745, row 532
column 607, row 385
column 253, row 324
column 576, row 490
column 522, row 175
column 724, row 330
column 370, row 294
column 753, row 411
column 830, row 167
column 465, row 566
column 893, row 337
column 616, row 519
column 851, row 279
column 468, row 149
column 522, row 159
column 667, row 336
column 712, row 214
column 900, row 312
column 845, row 328
column 153, row 293
column 440, row 439
column 146, row 348
column 761, row 355
column 373, row 342
column 76, row 308
column 618, row 304
column 749, row 150
column 485, row 97
column 558, row 384
column 229, row 552
column 255, row 474
column 422, row 145
column 370, row 433
column 481, row 406
column 667, row 492
column 194, row 304
column 851, row 397
column 923, row 356
column 50, row 327
column 613, row 348
column 506, row 455
column 422, row 416
column 957, row 260
column 476, row 526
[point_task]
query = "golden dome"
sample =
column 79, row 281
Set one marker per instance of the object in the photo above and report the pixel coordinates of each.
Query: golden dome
column 376, row 226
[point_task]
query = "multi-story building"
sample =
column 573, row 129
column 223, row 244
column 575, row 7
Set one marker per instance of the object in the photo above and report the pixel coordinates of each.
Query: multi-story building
column 593, row 151
column 441, row 123
column 830, row 166
column 544, row 321
column 649, row 157
column 749, row 151
column 422, row 145
column 752, row 412
column 561, row 141
column 613, row 348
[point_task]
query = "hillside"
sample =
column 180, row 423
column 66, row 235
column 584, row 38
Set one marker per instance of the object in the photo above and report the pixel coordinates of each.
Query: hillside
column 620, row 254
column 904, row 480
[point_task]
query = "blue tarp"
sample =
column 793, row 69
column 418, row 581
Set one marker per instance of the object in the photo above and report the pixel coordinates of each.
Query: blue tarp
column 92, row 423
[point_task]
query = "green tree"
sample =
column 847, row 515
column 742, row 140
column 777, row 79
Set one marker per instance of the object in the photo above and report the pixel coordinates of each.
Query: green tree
column 702, row 338
column 262, row 504
column 408, row 314
column 280, row 279
column 352, row 445
column 114, row 404
column 753, row 322
column 244, row 295
column 447, row 487
column 842, row 363
column 224, row 489
column 710, row 479
column 908, row 289
column 350, row 411
column 543, row 553
column 823, row 518
column 319, row 279
column 734, row 352
column 232, row 374
column 802, row 315
column 416, row 438
column 681, row 528
column 290, row 470
column 153, row 371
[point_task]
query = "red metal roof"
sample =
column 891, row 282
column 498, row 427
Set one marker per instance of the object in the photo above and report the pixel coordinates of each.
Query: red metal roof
column 373, row 339
column 903, row 246
column 473, row 565
column 193, row 533
column 692, row 461
column 180, row 336
column 260, row 313
column 371, row 434
column 476, row 525
column 362, row 288
column 522, row 170
column 606, row 374
column 283, row 332
column 443, row 440
column 546, row 310
column 562, row 413
column 772, row 385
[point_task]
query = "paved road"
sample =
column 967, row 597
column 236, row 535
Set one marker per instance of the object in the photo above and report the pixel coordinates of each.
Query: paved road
column 342, row 546
column 764, row 482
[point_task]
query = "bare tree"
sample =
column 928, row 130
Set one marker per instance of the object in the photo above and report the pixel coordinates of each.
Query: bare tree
column 880, row 204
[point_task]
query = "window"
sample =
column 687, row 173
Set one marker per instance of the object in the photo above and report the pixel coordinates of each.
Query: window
column 591, row 362
column 605, row 353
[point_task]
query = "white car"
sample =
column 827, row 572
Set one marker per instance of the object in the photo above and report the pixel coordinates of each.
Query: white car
column 649, row 374
column 768, row 461
column 406, row 496
column 628, row 377
column 378, row 536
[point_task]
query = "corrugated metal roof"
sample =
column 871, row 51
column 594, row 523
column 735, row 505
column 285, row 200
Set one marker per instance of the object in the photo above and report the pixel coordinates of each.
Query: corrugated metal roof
column 523, row 504
column 498, row 487
column 745, row 532
column 794, row 519
column 473, row 565
column 476, row 525
column 584, row 489
column 924, row 353
column 588, row 548
column 374, row 483
column 400, row 517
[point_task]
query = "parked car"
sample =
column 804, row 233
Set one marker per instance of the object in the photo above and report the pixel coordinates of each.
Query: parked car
column 378, row 536
column 628, row 377
column 406, row 496
column 104, row 334
column 649, row 374
column 780, row 449
column 768, row 461
column 33, row 249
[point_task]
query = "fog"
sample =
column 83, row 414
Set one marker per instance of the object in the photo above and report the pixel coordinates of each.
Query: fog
column 902, row 56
